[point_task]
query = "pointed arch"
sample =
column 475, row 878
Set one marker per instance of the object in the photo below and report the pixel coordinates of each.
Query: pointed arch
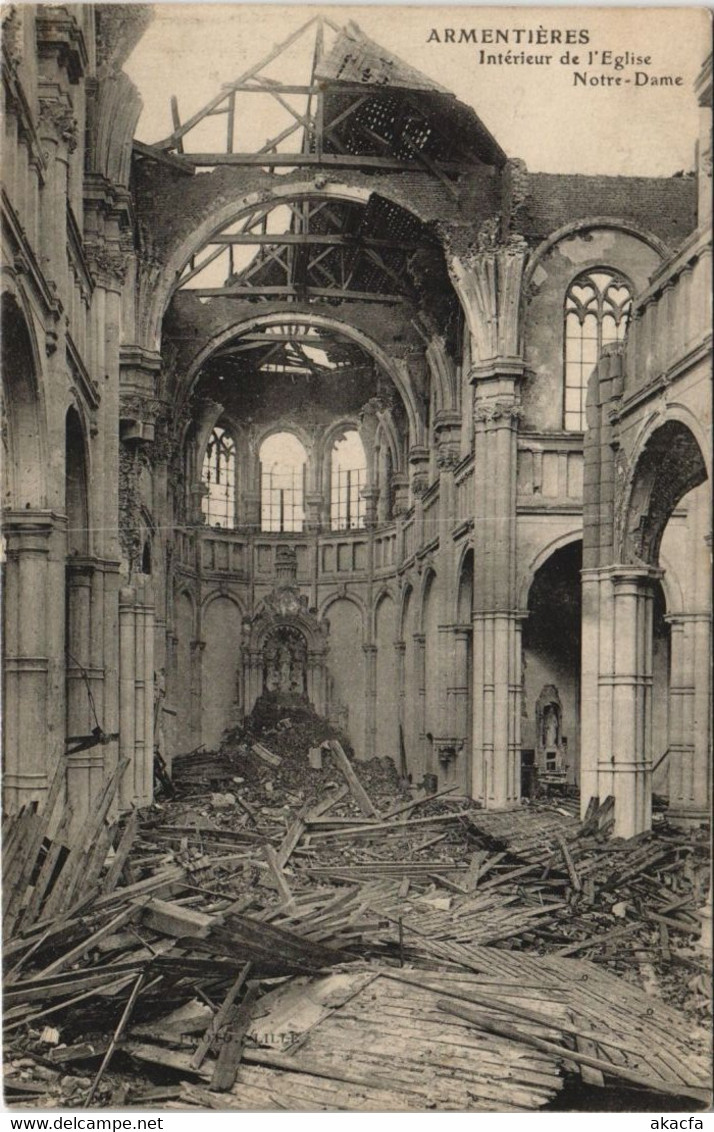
column 26, row 460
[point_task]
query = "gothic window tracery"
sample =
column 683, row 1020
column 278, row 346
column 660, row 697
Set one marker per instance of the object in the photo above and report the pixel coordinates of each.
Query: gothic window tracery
column 219, row 477
column 348, row 477
column 597, row 309
column 283, row 463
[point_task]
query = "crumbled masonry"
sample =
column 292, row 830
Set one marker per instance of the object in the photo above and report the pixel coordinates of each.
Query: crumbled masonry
column 258, row 942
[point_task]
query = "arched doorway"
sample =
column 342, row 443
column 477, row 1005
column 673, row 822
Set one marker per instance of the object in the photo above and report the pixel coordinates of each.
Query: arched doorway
column 431, row 666
column 683, row 642
column 78, row 580
column 462, row 677
column 410, row 701
column 387, row 707
column 664, row 515
column 551, row 669
column 32, row 583
column 667, row 521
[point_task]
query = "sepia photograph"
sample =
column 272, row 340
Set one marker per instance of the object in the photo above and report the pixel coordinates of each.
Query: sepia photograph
column 356, row 560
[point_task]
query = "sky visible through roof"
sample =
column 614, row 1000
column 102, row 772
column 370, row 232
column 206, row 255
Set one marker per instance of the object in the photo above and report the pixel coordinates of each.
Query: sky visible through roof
column 535, row 112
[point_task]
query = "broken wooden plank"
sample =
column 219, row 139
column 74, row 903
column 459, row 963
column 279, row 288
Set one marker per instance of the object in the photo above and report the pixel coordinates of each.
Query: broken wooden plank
column 326, row 804
column 48, row 869
column 290, row 840
column 121, row 854
column 266, row 755
column 409, row 806
column 14, row 892
column 278, row 875
column 367, row 831
column 572, row 873
column 504, row 1030
column 595, row 940
column 175, row 920
column 121, row 1026
column 219, row 1019
column 76, row 863
column 229, row 1058
column 113, row 925
column 589, row 1075
column 357, row 790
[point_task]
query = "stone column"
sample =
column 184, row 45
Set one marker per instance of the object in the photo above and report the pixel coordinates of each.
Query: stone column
column 251, row 510
column 370, row 659
column 681, row 715
column 617, row 692
column 197, row 492
column 420, row 681
column 489, row 282
column 400, row 488
column 33, row 660
column 85, row 769
column 197, row 649
column 371, row 498
column 127, row 707
column 400, row 648
column 459, row 691
column 314, row 508
column 136, row 693
column 497, row 688
column 253, row 676
column 317, row 680
column 689, row 717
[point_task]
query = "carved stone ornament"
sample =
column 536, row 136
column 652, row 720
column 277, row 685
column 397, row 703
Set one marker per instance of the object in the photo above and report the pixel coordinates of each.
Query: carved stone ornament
column 420, row 483
column 58, row 117
column 107, row 262
column 488, row 235
column 459, row 242
column 12, row 35
column 447, row 455
column 486, row 412
column 137, row 408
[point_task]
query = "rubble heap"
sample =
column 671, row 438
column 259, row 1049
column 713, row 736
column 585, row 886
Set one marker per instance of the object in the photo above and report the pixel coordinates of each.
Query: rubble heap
column 292, row 917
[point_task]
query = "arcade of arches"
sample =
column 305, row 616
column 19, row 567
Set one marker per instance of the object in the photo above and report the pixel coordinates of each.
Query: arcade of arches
column 382, row 422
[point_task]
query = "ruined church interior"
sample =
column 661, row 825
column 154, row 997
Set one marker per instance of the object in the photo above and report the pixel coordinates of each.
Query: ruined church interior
column 353, row 475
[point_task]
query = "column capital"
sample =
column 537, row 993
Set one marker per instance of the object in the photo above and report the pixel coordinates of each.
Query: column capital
column 635, row 575
column 499, row 411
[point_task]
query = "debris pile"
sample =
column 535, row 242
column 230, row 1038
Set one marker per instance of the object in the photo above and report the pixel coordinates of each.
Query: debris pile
column 293, row 917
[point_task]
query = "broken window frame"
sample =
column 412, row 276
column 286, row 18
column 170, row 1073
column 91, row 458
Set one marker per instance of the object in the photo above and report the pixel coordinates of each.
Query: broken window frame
column 603, row 314
column 219, row 506
column 282, row 492
column 347, row 504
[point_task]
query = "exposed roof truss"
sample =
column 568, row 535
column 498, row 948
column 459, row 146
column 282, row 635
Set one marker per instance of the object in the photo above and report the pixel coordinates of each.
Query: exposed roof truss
column 330, row 96
column 313, row 248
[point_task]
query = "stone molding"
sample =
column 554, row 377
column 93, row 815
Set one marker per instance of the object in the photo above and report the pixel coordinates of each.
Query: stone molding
column 58, row 118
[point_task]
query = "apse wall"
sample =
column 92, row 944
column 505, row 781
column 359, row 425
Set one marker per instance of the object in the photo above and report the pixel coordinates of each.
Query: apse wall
column 222, row 670
column 387, row 697
column 346, row 663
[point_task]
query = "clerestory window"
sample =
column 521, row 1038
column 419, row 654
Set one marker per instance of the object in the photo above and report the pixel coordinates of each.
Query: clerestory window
column 219, row 476
column 283, row 462
column 348, row 477
column 597, row 308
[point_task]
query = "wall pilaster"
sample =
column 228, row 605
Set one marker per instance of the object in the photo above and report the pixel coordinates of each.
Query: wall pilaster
column 33, row 656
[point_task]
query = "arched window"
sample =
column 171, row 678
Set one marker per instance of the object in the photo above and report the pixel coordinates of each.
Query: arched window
column 282, row 483
column 597, row 307
column 219, row 476
column 348, row 477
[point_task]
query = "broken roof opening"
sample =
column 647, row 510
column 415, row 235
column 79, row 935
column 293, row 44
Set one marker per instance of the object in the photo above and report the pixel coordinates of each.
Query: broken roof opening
column 266, row 367
column 330, row 95
column 317, row 248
